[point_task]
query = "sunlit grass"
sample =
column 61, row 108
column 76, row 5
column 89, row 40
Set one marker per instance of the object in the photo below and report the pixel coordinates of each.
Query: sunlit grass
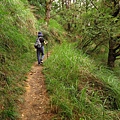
column 69, row 75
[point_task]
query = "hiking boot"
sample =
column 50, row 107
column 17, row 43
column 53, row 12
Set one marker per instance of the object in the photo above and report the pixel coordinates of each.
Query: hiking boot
column 41, row 62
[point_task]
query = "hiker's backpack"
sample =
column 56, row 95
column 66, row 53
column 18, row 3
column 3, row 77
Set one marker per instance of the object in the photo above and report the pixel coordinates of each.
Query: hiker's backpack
column 38, row 43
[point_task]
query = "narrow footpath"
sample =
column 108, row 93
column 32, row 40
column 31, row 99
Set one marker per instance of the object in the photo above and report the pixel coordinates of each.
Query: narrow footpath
column 36, row 105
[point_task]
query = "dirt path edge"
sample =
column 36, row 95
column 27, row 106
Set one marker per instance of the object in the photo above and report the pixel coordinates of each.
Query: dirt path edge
column 37, row 104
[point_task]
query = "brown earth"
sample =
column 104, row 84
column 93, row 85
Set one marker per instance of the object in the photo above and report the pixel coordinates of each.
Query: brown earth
column 37, row 104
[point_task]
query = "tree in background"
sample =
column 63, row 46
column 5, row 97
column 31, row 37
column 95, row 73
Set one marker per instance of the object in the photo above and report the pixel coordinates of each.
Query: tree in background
column 114, row 42
column 48, row 10
column 38, row 8
column 100, row 27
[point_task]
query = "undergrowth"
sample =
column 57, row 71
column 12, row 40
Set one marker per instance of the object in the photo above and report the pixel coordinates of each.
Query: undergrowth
column 78, row 89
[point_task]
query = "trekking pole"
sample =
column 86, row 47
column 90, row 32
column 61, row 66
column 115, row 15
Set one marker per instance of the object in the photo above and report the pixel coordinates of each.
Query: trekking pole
column 47, row 50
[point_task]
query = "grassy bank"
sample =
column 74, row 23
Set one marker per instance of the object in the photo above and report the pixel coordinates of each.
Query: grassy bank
column 17, row 25
column 78, row 89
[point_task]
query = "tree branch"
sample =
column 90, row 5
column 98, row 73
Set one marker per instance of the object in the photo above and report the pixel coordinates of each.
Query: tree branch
column 96, row 7
column 117, row 6
column 117, row 54
column 116, row 13
column 117, row 47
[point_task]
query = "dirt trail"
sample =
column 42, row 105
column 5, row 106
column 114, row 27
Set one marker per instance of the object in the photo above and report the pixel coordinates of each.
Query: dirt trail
column 36, row 105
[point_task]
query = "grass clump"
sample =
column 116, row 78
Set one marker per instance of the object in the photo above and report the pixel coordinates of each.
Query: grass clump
column 76, row 92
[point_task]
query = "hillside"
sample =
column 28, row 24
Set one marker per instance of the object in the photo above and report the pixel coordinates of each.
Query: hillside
column 77, row 83
column 17, row 25
column 79, row 88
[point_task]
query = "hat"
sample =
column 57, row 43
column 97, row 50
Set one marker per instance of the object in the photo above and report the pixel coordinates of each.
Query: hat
column 40, row 34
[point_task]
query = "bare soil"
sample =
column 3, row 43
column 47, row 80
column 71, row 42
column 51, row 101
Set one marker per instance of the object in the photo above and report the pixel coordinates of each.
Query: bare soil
column 37, row 104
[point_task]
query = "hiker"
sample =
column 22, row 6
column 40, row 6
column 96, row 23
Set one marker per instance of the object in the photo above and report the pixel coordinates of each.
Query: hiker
column 39, row 45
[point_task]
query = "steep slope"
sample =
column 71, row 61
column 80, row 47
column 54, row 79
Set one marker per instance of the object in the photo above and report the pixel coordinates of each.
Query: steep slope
column 17, row 30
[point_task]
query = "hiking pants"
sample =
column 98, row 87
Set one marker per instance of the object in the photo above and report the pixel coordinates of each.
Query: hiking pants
column 40, row 54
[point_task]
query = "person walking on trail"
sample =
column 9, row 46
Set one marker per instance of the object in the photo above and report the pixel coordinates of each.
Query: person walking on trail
column 39, row 45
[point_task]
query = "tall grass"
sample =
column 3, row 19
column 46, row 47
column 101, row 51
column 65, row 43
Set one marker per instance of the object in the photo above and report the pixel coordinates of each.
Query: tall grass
column 17, row 25
column 69, row 74
column 111, row 81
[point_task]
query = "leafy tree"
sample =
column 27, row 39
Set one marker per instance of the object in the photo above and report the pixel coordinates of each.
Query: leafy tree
column 114, row 42
column 38, row 7
column 48, row 10
column 100, row 27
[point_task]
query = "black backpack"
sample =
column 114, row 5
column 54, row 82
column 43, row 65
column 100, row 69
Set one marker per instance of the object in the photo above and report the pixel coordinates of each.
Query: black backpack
column 38, row 43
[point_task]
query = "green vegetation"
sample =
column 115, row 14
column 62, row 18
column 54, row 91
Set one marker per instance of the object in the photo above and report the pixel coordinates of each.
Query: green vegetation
column 78, row 89
column 15, row 52
column 80, row 35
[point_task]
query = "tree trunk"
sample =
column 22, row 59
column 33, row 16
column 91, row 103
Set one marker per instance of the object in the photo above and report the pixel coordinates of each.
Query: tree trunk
column 111, row 55
column 69, row 27
column 63, row 2
column 48, row 9
column 112, row 44
column 68, row 3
